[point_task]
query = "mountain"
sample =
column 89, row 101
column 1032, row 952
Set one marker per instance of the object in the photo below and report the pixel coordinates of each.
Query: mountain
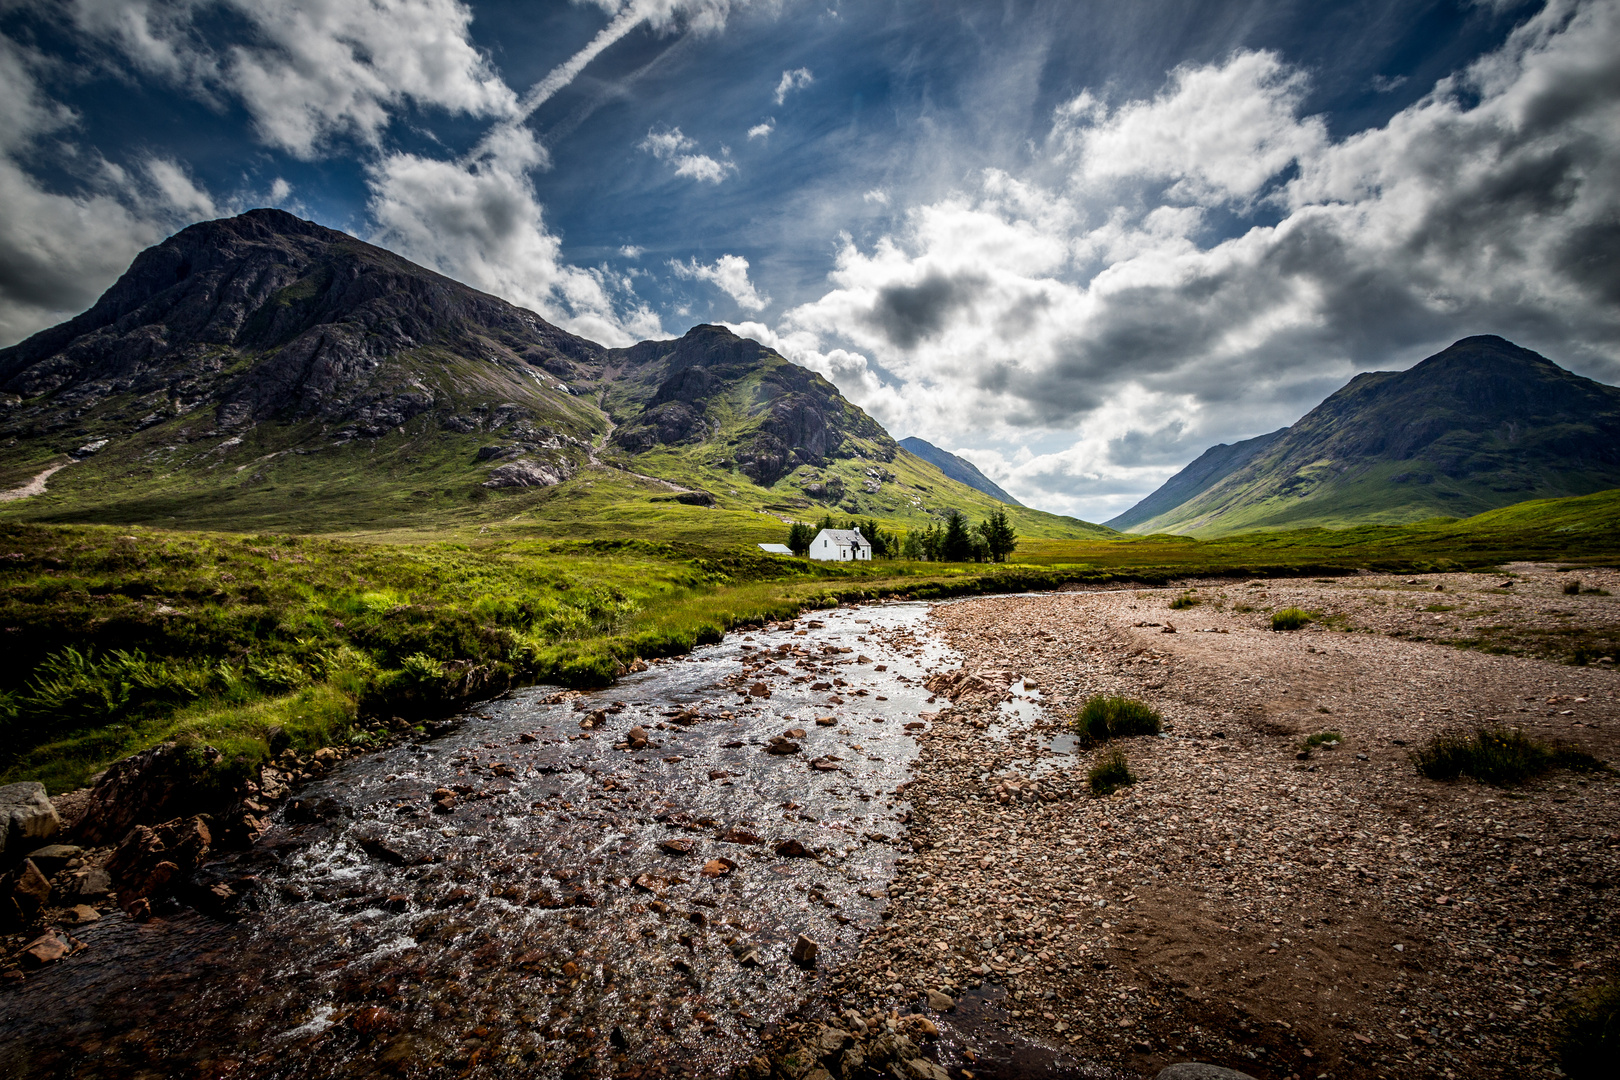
column 265, row 372
column 959, row 469
column 1483, row 424
column 1209, row 469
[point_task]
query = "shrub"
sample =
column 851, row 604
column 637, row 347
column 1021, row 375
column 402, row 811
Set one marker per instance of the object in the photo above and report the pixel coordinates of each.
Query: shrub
column 1501, row 757
column 1590, row 1042
column 1185, row 600
column 1291, row 618
column 1105, row 717
column 1110, row 771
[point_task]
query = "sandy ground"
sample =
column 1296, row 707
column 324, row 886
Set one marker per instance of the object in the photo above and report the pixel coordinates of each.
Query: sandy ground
column 1335, row 916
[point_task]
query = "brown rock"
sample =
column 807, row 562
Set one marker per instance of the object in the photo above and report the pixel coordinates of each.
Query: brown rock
column 759, row 690
column 940, row 1001
column 637, row 737
column 735, row 835
column 83, row 913
column 781, row 745
column 29, row 890
column 718, row 867
column 373, row 1019
column 794, row 733
column 159, row 784
column 791, row 849
column 677, row 847
column 827, row 721
column 45, row 949
column 805, row 950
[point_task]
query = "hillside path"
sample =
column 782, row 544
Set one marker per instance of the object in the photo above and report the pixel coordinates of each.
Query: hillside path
column 36, row 486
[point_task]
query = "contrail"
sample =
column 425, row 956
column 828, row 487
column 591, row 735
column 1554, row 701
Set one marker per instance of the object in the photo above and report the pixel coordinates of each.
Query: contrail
column 564, row 73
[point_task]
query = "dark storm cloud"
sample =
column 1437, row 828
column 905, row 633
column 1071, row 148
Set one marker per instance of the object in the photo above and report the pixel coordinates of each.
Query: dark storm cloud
column 908, row 314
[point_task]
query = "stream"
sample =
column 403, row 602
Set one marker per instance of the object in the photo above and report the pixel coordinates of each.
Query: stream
column 529, row 894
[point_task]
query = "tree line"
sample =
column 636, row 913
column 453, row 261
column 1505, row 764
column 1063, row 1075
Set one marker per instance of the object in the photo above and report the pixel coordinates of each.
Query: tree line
column 954, row 540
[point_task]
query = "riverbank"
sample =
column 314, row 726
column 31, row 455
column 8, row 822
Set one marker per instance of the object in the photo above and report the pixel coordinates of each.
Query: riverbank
column 1335, row 915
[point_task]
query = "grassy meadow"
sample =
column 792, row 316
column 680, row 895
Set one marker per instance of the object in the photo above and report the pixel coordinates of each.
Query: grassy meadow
column 119, row 637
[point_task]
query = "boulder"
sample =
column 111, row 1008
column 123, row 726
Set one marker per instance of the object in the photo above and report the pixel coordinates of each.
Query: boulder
column 27, row 817
column 53, row 858
column 151, row 861
column 805, row 951
column 88, row 885
column 25, row 893
column 159, row 784
column 46, row 948
column 1197, row 1070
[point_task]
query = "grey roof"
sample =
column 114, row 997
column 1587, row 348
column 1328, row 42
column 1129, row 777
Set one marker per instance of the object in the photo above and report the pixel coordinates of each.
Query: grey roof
column 776, row 549
column 844, row 537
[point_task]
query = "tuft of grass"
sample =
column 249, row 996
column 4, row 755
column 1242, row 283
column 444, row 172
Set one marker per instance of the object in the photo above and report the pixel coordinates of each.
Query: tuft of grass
column 1322, row 738
column 1291, row 618
column 1501, row 757
column 1184, row 601
column 1572, row 587
column 1105, row 717
column 1110, row 771
column 1589, row 1044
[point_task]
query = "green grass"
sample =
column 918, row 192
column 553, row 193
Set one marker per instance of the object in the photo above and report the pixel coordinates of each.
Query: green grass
column 1184, row 601
column 1105, row 717
column 1291, row 618
column 1321, row 738
column 1110, row 771
column 1501, row 757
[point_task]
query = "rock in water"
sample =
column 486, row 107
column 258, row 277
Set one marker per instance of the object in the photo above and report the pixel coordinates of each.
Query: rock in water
column 44, row 949
column 1197, row 1070
column 940, row 1001
column 805, row 950
column 26, row 816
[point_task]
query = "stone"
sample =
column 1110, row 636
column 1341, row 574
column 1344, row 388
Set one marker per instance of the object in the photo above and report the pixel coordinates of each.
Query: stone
column 794, row 733
column 53, row 858
column 83, row 913
column 149, row 861
column 27, row 893
column 805, row 950
column 718, row 867
column 26, row 816
column 87, row 884
column 637, row 737
column 1197, row 1070
column 827, row 721
column 677, row 847
column 735, row 835
column 923, row 1069
column 373, row 1019
column 791, row 849
column 759, row 690
column 940, row 1001
column 47, row 948
column 782, row 745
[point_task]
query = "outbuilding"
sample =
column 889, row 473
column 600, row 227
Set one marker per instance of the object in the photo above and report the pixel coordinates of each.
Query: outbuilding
column 841, row 545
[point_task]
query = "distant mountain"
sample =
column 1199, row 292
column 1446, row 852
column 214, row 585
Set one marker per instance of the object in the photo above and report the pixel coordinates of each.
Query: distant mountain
column 1481, row 425
column 1210, row 468
column 265, row 372
column 958, row 469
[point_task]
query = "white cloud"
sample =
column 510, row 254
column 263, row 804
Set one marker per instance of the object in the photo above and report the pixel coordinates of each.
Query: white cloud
column 478, row 220
column 279, row 191
column 797, row 79
column 761, row 131
column 631, row 251
column 730, row 274
column 877, row 195
column 1096, row 316
column 673, row 147
column 59, row 250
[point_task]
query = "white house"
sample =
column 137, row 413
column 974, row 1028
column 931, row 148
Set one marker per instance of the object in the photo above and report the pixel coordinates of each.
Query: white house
column 840, row 545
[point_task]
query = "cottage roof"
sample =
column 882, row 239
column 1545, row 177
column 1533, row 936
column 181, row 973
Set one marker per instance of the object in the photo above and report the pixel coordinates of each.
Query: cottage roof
column 776, row 549
column 844, row 538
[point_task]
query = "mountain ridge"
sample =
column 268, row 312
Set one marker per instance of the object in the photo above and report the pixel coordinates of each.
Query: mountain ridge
column 264, row 371
column 957, row 468
column 1480, row 425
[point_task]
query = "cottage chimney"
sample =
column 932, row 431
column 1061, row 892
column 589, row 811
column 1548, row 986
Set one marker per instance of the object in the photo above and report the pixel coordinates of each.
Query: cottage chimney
column 858, row 531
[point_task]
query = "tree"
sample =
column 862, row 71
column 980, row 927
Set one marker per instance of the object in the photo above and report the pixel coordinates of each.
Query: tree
column 998, row 535
column 883, row 543
column 956, row 545
column 912, row 546
column 799, row 538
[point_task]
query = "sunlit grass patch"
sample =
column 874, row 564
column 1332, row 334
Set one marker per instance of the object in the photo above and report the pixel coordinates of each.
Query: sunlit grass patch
column 1110, row 771
column 1291, row 618
column 1105, row 717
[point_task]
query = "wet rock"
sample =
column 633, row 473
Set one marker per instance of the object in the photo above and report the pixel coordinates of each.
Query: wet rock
column 45, row 949
column 151, row 861
column 88, row 884
column 827, row 721
column 940, row 1001
column 53, row 858
column 594, row 719
column 677, row 847
column 637, row 737
column 759, row 690
column 26, row 817
column 381, row 850
column 26, row 892
column 805, row 950
column 1195, row 1070
column 160, row 784
column 735, row 835
column 444, row 800
column 794, row 733
column 718, row 867
column 792, row 849
column 373, row 1019
column 782, row 745
column 80, row 914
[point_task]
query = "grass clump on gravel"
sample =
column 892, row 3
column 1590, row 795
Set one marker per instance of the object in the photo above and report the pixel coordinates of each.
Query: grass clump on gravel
column 1105, row 717
column 1291, row 618
column 1590, row 1043
column 1501, row 757
column 1184, row 601
column 1322, row 738
column 1110, row 771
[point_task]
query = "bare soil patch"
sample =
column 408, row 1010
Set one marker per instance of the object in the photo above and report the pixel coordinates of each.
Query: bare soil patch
column 1337, row 915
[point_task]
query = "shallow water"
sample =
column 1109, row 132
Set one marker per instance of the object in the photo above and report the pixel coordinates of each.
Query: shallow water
column 543, row 926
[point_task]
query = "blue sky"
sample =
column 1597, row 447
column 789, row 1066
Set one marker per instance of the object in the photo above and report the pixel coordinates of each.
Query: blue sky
column 1076, row 242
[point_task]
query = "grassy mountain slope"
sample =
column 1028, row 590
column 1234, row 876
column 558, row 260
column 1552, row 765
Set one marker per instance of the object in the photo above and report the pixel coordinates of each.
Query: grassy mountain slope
column 1209, row 469
column 1481, row 425
column 957, row 468
column 263, row 372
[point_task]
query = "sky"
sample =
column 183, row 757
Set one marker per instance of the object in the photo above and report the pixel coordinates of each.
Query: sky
column 1075, row 242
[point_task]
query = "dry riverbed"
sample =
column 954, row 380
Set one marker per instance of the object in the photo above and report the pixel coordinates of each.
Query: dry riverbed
column 1336, row 916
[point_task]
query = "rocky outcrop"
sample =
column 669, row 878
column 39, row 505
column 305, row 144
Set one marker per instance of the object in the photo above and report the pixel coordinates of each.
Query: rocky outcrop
column 154, row 785
column 152, row 862
column 27, row 818
column 529, row 473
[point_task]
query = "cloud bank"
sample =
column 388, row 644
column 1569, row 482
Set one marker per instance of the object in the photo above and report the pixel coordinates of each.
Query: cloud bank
column 1101, row 312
